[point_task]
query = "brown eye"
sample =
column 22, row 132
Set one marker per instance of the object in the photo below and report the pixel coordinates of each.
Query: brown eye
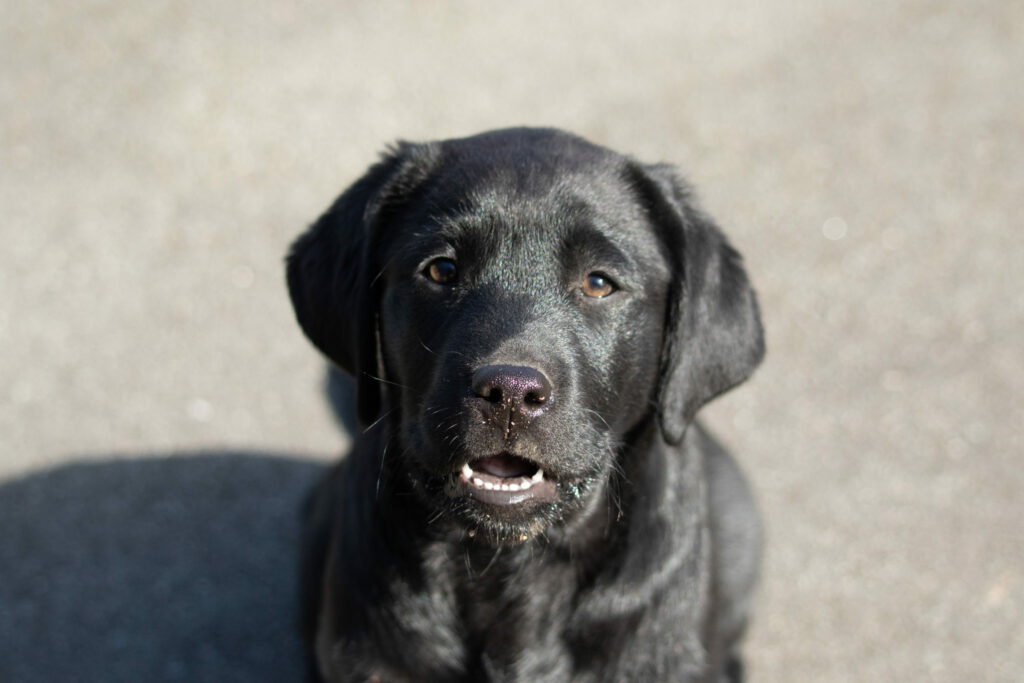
column 442, row 271
column 596, row 286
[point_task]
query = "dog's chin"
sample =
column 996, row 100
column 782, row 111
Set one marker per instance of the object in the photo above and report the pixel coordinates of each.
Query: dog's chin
column 501, row 498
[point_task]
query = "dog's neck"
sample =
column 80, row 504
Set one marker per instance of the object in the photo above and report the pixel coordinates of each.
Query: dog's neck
column 593, row 570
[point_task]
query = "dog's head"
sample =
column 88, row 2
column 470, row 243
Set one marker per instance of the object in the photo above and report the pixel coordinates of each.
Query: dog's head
column 517, row 306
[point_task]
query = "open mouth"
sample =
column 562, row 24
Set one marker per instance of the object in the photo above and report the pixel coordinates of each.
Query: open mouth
column 506, row 479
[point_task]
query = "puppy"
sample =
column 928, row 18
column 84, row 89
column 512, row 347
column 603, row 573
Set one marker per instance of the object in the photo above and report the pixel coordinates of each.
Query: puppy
column 532, row 322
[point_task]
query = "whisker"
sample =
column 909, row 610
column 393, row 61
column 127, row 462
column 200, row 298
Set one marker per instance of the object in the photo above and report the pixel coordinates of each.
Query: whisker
column 381, row 272
column 600, row 416
column 386, row 381
column 435, row 517
column 378, row 421
column 497, row 552
column 429, row 350
column 380, row 471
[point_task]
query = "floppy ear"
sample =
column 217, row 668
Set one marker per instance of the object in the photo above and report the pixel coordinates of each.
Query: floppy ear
column 713, row 334
column 331, row 270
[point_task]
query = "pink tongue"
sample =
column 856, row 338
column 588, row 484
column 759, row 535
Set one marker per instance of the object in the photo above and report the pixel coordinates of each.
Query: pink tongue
column 504, row 466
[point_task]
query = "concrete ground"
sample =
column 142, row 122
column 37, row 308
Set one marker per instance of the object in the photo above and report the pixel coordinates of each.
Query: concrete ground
column 160, row 412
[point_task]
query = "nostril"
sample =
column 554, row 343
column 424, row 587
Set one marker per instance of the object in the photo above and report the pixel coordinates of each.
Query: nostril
column 534, row 398
column 492, row 394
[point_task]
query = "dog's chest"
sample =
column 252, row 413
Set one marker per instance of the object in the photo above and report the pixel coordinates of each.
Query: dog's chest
column 514, row 616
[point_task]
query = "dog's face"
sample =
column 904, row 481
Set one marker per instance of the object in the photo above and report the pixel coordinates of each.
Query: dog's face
column 521, row 321
column 515, row 306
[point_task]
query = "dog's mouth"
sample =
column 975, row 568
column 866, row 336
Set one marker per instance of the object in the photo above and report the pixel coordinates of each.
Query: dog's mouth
column 506, row 479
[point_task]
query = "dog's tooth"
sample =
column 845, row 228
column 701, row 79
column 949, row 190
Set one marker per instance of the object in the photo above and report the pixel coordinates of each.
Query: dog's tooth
column 467, row 471
column 525, row 483
column 478, row 481
column 488, row 485
column 504, row 487
column 538, row 476
column 512, row 487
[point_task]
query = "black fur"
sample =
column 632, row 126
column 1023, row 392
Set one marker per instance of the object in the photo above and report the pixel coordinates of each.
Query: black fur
column 637, row 562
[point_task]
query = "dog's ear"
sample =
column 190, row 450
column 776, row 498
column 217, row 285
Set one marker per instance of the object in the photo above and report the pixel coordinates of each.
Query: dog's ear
column 332, row 267
column 713, row 334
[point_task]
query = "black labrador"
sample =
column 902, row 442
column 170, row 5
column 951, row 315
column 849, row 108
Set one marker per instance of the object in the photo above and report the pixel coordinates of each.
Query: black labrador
column 532, row 322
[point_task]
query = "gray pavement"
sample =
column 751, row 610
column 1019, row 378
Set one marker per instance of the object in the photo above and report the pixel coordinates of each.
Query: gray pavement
column 160, row 413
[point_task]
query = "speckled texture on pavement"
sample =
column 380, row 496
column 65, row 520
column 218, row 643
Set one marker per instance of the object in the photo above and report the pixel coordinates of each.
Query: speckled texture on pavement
column 156, row 159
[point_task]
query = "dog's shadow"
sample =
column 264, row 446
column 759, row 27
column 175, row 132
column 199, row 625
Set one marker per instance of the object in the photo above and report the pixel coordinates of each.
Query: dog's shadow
column 161, row 567
column 176, row 568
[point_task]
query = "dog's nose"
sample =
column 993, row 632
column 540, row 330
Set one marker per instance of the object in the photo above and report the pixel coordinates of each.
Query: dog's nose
column 520, row 388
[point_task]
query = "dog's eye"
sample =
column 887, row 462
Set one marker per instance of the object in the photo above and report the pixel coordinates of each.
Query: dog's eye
column 597, row 285
column 442, row 271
